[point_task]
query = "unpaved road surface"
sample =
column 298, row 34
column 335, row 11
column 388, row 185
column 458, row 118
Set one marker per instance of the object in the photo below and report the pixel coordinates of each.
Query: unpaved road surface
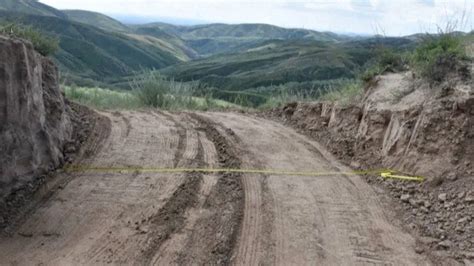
column 143, row 217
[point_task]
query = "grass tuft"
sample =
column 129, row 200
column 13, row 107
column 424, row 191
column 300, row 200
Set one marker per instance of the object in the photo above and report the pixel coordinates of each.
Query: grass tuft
column 42, row 43
column 440, row 55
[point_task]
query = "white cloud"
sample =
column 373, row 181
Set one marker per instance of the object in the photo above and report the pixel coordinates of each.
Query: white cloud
column 398, row 17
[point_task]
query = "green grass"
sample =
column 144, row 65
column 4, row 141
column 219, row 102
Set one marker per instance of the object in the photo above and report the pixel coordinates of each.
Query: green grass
column 105, row 99
column 42, row 43
column 102, row 99
column 350, row 93
column 439, row 55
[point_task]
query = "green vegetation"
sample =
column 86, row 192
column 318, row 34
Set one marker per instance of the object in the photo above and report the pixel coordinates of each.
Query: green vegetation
column 345, row 95
column 212, row 39
column 154, row 90
column 279, row 62
column 87, row 52
column 439, row 55
column 102, row 98
column 210, row 66
column 386, row 60
column 149, row 90
column 30, row 7
column 42, row 43
column 105, row 99
column 95, row 19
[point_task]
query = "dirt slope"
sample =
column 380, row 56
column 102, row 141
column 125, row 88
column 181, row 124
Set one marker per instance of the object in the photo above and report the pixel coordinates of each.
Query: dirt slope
column 34, row 124
column 404, row 124
column 140, row 217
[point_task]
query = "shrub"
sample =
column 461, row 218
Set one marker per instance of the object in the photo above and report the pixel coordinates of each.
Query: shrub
column 438, row 56
column 390, row 60
column 154, row 90
column 349, row 93
column 150, row 89
column 386, row 60
column 44, row 44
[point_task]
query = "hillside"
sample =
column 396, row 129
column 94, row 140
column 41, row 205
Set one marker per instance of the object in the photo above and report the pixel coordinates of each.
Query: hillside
column 277, row 62
column 213, row 39
column 95, row 19
column 258, row 31
column 30, row 7
column 90, row 53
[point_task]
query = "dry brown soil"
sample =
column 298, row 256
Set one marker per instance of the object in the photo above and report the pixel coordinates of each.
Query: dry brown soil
column 139, row 217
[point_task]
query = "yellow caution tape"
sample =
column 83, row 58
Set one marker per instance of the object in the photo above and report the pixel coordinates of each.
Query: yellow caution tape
column 383, row 172
column 391, row 175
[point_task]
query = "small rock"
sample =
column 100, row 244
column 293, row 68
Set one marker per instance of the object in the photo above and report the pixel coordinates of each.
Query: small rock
column 70, row 149
column 442, row 197
column 355, row 165
column 461, row 195
column 412, row 202
column 468, row 255
column 405, row 197
column 419, row 249
column 469, row 199
column 452, row 176
column 445, row 244
column 427, row 240
column 427, row 204
column 459, row 229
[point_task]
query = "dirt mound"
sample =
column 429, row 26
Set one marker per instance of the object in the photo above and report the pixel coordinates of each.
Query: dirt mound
column 406, row 125
column 34, row 124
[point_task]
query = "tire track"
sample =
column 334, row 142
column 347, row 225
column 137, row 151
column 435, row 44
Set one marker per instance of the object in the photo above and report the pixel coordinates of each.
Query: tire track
column 171, row 218
column 216, row 232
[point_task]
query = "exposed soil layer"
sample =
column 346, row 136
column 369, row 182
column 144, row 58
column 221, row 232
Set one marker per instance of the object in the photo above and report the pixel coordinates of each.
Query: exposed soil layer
column 34, row 124
column 404, row 125
column 36, row 128
column 89, row 131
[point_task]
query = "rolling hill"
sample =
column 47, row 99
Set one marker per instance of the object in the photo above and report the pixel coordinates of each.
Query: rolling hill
column 95, row 19
column 92, row 53
column 242, row 57
column 212, row 39
column 277, row 62
column 30, row 7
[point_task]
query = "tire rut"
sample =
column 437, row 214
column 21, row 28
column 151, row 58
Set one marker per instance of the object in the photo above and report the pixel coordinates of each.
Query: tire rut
column 215, row 235
column 171, row 218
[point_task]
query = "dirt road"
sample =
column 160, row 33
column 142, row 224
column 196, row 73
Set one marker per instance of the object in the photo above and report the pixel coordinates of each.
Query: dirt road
column 142, row 217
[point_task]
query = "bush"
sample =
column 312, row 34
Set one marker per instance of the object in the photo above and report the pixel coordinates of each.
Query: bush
column 438, row 56
column 347, row 94
column 45, row 45
column 386, row 60
column 103, row 99
column 154, row 90
column 150, row 89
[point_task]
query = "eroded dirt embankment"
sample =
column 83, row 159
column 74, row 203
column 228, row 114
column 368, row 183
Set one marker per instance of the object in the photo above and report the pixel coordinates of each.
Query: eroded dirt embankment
column 40, row 131
column 34, row 124
column 405, row 125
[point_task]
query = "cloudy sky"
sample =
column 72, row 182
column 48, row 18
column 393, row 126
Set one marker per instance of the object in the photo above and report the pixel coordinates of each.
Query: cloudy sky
column 390, row 17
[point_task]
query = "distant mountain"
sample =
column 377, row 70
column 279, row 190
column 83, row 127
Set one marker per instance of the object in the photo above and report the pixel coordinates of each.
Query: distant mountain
column 96, row 19
column 255, row 31
column 138, row 19
column 30, row 7
column 211, row 39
